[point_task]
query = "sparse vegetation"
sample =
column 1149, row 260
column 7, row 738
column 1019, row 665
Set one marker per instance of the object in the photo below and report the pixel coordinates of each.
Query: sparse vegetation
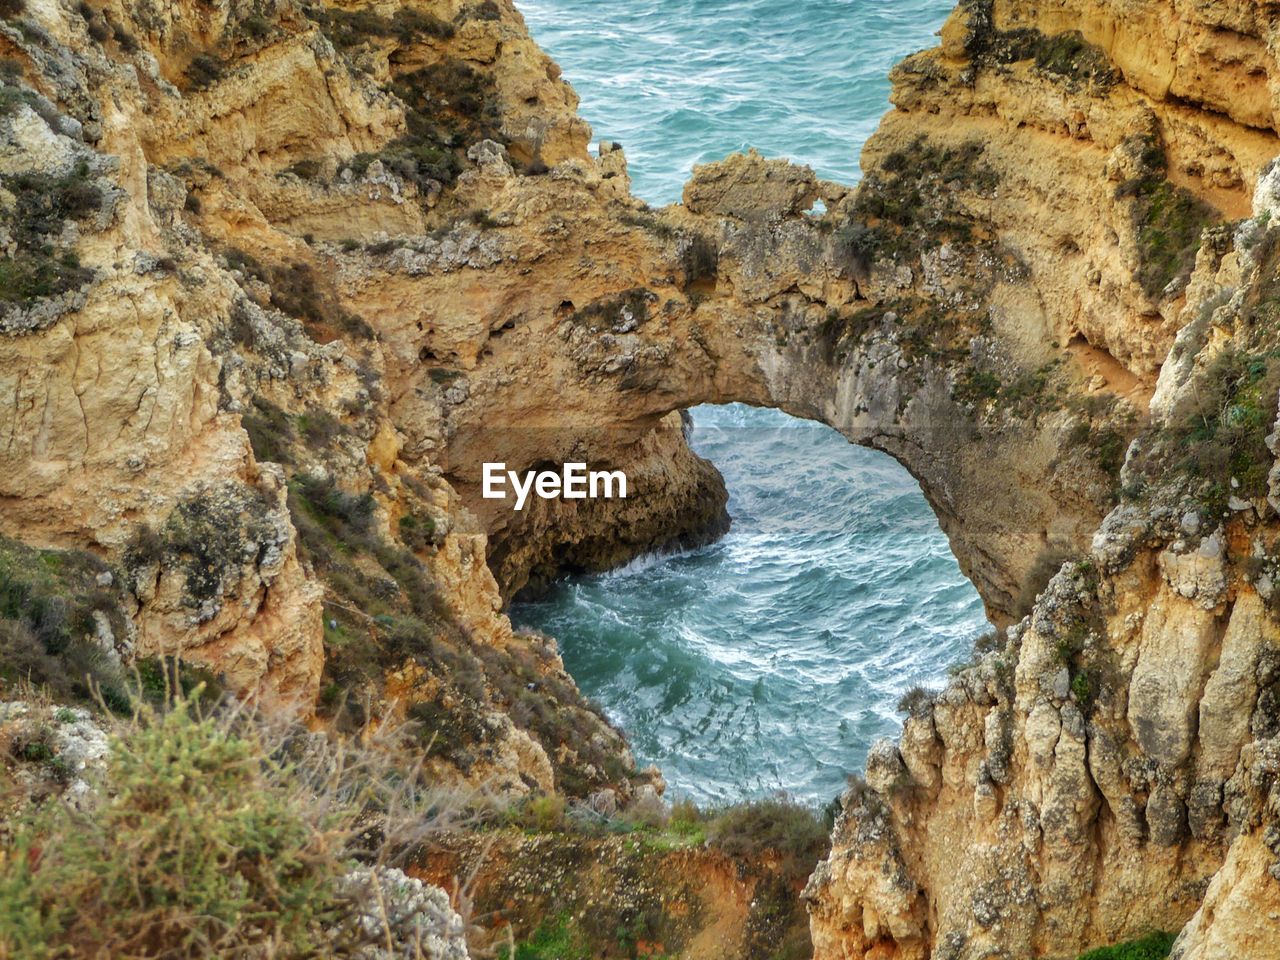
column 773, row 843
column 557, row 939
column 448, row 106
column 210, row 535
column 384, row 610
column 1155, row 946
column 646, row 220
column 1169, row 221
column 349, row 29
column 204, row 71
column 629, row 308
column 1082, row 688
column 297, row 290
column 418, row 531
column 39, row 267
column 270, row 431
column 221, row 835
column 1065, row 55
column 50, row 603
column 777, row 825
column 1220, row 431
column 917, row 702
column 913, row 202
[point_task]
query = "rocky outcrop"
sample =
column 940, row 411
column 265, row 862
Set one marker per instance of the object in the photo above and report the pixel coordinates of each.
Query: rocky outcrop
column 203, row 396
column 1100, row 771
column 276, row 281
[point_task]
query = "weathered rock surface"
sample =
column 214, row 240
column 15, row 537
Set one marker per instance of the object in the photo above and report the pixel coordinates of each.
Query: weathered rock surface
column 1101, row 773
column 313, row 265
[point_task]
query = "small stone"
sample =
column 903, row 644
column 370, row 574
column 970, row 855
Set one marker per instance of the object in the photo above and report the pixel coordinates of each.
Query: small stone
column 104, row 579
column 1190, row 522
column 1062, row 684
column 1211, row 546
column 1236, row 504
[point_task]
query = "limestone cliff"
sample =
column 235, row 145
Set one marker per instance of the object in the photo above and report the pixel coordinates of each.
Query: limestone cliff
column 277, row 278
column 216, row 388
column 1104, row 768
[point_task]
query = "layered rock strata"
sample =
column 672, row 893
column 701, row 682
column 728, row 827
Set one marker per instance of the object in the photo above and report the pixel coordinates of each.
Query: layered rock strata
column 277, row 280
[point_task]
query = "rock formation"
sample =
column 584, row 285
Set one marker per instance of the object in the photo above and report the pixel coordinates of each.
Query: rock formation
column 1102, row 769
column 276, row 279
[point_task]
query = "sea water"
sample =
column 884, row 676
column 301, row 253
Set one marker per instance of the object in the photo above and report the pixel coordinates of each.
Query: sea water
column 772, row 659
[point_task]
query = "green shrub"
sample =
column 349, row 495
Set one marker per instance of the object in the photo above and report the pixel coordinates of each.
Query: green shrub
column 545, row 812
column 611, row 311
column 208, row 533
column 348, row 29
column 917, row 702
column 347, row 512
column 30, row 278
column 417, row 532
column 448, row 106
column 204, row 71
column 775, row 825
column 319, row 427
column 485, row 10
column 1170, row 221
column 452, row 732
column 1220, row 429
column 37, row 267
column 216, row 833
column 203, row 848
column 555, row 939
column 1082, row 687
column 1067, row 55
column 124, row 39
column 976, row 386
column 256, row 26
column 270, row 432
column 1155, row 946
column 912, row 201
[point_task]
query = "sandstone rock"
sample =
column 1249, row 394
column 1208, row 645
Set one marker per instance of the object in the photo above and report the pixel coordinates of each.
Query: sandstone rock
column 747, row 187
column 417, row 922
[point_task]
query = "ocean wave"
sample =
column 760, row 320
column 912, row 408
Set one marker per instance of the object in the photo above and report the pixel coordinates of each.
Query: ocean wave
column 774, row 658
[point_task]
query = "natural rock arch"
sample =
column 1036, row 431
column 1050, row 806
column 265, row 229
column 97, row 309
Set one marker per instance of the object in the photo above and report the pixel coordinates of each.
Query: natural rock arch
column 742, row 295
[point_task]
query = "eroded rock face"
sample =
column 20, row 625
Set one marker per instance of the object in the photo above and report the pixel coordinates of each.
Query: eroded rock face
column 1099, row 774
column 194, row 398
column 741, row 295
column 312, row 265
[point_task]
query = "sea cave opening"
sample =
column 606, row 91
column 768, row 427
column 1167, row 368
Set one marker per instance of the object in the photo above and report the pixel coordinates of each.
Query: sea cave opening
column 770, row 660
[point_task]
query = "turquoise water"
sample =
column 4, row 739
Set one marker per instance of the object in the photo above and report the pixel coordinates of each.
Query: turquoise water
column 679, row 82
column 772, row 659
